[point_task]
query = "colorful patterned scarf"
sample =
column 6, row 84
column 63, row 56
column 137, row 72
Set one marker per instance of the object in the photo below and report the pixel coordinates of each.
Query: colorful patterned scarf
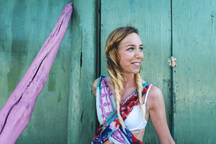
column 110, row 128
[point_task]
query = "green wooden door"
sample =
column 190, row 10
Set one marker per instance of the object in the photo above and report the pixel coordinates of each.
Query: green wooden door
column 152, row 18
column 82, row 113
column 24, row 27
column 186, row 30
column 65, row 110
column 194, row 46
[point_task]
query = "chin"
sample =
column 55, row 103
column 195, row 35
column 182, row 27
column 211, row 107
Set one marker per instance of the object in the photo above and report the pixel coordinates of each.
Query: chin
column 132, row 71
column 135, row 71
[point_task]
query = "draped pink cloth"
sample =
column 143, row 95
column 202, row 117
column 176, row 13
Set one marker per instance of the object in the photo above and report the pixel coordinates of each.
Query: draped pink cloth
column 16, row 113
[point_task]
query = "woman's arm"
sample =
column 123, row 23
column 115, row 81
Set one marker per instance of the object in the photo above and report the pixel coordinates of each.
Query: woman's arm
column 158, row 116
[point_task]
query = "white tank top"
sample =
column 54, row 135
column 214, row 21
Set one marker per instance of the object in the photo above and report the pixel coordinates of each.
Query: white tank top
column 134, row 120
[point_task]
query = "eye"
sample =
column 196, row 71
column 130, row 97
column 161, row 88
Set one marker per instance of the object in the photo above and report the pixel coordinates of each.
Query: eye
column 130, row 49
column 141, row 48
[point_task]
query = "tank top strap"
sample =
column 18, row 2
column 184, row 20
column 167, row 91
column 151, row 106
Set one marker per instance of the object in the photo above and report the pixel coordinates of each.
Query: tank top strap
column 146, row 96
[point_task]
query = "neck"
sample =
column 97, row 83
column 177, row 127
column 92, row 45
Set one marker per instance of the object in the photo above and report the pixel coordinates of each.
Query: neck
column 129, row 79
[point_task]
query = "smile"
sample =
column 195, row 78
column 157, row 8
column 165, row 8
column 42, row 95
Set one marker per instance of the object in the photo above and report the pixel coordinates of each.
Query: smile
column 136, row 63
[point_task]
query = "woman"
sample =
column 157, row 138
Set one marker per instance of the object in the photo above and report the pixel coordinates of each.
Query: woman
column 124, row 101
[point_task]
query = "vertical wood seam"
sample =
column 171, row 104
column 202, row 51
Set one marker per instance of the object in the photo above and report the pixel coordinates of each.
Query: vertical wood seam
column 98, row 44
column 171, row 70
column 98, row 38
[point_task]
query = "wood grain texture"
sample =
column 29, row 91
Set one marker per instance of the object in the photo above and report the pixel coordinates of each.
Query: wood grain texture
column 24, row 27
column 65, row 110
column 81, row 109
column 194, row 35
column 152, row 18
column 16, row 113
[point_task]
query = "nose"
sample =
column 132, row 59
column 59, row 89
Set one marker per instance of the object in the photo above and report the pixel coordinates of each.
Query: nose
column 139, row 54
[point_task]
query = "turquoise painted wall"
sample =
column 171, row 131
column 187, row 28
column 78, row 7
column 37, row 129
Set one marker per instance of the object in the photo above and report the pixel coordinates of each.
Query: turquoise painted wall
column 152, row 19
column 66, row 105
column 194, row 45
column 65, row 109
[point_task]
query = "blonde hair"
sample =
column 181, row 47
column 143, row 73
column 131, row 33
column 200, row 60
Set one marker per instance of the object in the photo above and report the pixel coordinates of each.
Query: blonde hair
column 115, row 70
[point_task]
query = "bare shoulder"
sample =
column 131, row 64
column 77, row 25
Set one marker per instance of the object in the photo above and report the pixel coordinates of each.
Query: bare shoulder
column 155, row 97
column 155, row 92
column 94, row 86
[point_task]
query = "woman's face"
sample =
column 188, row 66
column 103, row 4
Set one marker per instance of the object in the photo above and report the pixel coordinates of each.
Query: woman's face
column 130, row 52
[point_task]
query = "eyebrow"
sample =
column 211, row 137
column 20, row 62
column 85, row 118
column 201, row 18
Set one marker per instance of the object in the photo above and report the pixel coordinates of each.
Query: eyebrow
column 133, row 45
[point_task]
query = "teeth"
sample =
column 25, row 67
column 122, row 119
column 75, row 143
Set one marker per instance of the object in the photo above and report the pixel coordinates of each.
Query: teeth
column 136, row 63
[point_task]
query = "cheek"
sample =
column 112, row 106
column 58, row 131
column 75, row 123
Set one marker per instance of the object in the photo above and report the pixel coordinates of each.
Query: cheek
column 142, row 56
column 126, row 55
column 125, row 60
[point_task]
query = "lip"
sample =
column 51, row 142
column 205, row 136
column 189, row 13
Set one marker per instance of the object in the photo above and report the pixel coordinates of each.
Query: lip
column 136, row 63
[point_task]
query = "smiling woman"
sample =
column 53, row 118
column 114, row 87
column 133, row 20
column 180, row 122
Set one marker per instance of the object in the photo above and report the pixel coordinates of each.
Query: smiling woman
column 131, row 53
column 124, row 101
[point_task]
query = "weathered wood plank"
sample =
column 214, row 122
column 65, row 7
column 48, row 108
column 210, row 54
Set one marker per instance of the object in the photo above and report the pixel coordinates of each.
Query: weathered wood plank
column 152, row 18
column 24, row 27
column 16, row 113
column 194, row 35
column 81, row 109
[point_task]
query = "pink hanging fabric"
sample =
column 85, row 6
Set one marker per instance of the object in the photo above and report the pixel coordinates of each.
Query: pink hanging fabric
column 16, row 113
